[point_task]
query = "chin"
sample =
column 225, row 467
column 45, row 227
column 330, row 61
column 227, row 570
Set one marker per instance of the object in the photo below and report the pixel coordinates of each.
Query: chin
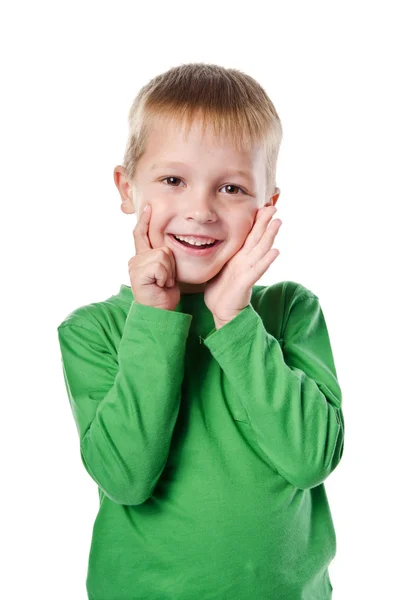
column 196, row 280
column 193, row 280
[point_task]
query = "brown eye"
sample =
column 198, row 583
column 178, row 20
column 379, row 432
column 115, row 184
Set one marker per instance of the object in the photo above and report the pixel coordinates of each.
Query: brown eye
column 230, row 185
column 172, row 177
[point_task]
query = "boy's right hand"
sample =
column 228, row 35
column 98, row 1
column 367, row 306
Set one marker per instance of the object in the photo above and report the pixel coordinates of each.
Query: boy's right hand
column 152, row 270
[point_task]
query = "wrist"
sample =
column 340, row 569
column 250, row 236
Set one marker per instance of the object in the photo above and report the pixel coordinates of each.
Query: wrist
column 221, row 322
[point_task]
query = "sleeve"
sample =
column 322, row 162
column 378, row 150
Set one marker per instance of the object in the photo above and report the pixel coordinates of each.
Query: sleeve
column 288, row 388
column 125, row 406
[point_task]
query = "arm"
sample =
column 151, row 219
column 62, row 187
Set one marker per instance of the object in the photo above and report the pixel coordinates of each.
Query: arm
column 288, row 388
column 125, row 408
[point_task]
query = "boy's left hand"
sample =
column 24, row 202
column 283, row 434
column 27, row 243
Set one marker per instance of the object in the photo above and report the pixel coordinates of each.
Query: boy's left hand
column 229, row 292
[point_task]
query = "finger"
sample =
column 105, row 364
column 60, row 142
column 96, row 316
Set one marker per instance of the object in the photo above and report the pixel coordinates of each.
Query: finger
column 140, row 231
column 262, row 265
column 257, row 268
column 262, row 220
column 264, row 246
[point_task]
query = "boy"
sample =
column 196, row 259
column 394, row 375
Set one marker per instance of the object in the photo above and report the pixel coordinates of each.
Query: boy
column 208, row 408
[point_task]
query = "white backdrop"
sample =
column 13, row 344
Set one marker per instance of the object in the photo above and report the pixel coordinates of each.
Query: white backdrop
column 70, row 71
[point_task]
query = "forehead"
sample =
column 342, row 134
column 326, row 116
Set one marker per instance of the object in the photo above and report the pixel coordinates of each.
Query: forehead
column 171, row 142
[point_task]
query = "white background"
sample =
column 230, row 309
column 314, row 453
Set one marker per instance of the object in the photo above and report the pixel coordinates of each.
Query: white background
column 69, row 73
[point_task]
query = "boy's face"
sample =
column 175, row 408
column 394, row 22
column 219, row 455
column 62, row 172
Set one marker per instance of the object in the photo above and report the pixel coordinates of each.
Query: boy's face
column 197, row 199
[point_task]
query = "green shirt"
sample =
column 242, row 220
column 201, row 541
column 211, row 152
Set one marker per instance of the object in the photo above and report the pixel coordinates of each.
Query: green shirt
column 209, row 447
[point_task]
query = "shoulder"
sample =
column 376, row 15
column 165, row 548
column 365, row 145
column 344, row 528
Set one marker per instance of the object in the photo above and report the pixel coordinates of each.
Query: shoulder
column 276, row 303
column 287, row 293
column 83, row 316
column 94, row 316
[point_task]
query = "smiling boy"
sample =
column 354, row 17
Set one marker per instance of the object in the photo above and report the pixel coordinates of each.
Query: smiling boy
column 199, row 210
column 214, row 192
column 208, row 407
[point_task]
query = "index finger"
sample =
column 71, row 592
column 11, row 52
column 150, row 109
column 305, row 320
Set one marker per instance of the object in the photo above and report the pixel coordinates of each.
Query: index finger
column 140, row 231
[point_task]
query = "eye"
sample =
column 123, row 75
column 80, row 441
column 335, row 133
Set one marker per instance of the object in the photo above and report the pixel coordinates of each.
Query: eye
column 171, row 177
column 231, row 185
column 228, row 185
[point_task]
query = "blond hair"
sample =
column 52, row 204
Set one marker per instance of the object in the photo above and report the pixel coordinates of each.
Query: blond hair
column 231, row 102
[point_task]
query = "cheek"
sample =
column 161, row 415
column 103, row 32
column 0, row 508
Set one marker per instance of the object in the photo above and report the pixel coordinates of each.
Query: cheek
column 242, row 229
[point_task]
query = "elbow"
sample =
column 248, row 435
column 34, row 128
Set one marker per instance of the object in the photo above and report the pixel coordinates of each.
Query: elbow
column 130, row 495
column 126, row 495
column 128, row 491
column 308, row 480
column 318, row 471
column 137, row 494
column 127, row 498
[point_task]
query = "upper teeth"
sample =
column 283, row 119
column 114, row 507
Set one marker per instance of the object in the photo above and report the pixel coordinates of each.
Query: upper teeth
column 195, row 241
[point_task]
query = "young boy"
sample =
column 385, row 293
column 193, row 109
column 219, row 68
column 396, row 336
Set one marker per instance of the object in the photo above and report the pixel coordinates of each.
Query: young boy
column 208, row 407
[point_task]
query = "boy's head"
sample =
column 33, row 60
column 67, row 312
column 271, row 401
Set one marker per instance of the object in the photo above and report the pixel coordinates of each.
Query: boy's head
column 191, row 130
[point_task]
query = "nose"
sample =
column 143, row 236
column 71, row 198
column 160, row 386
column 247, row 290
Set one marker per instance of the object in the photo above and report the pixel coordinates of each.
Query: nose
column 200, row 208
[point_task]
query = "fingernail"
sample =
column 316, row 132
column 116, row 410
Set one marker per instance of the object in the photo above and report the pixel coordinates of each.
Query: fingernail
column 146, row 207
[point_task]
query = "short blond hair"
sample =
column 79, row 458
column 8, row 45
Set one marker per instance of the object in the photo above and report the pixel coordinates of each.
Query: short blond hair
column 230, row 101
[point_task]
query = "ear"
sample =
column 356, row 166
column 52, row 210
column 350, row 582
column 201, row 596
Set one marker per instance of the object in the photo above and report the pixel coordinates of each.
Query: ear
column 275, row 196
column 124, row 186
column 273, row 199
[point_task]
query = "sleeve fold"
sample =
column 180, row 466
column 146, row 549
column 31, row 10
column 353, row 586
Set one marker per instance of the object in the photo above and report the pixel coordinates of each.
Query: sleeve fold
column 288, row 388
column 125, row 404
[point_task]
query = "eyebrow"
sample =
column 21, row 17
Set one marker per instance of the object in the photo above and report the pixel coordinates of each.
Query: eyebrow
column 228, row 171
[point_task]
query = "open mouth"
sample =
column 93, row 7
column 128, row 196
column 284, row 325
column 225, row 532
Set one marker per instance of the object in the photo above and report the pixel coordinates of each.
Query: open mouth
column 192, row 249
column 193, row 245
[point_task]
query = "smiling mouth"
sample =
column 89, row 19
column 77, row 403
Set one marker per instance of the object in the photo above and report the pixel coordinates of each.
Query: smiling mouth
column 192, row 249
column 194, row 245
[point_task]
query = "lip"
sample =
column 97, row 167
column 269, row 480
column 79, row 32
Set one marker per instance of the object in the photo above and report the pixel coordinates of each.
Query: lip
column 194, row 252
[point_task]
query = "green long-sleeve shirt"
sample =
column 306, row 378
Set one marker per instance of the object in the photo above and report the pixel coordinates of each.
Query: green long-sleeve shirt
column 209, row 447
